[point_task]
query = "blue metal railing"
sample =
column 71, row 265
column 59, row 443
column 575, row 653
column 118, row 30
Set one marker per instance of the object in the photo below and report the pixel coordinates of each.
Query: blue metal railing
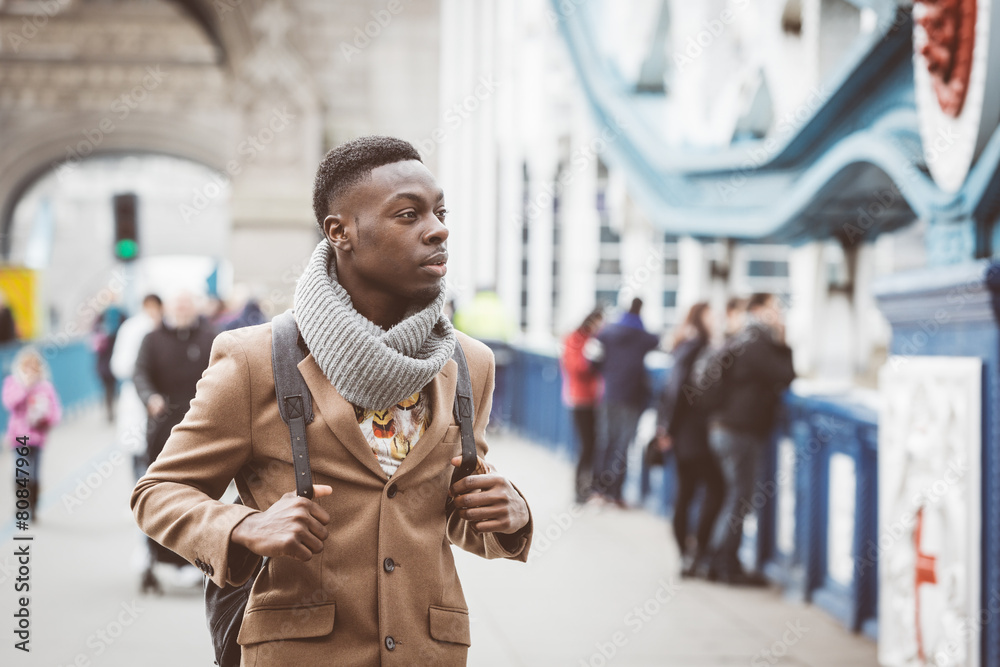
column 819, row 518
column 816, row 502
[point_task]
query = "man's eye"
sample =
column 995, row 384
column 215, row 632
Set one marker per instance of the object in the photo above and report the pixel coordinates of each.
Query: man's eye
column 442, row 214
column 408, row 214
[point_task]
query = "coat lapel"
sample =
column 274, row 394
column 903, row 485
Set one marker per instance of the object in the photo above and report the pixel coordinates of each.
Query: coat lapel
column 338, row 413
column 442, row 395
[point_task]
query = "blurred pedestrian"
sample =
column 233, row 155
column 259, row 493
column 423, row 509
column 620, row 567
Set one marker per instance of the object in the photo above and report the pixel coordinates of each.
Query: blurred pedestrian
column 105, row 334
column 736, row 316
column 627, row 392
column 8, row 328
column 170, row 362
column 132, row 416
column 581, row 392
column 215, row 311
column 682, row 427
column 755, row 371
column 250, row 315
column 34, row 408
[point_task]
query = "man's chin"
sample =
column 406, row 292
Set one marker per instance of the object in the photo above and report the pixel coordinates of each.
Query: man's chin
column 425, row 295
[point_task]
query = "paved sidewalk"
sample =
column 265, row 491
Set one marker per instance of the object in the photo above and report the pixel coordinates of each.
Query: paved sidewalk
column 600, row 587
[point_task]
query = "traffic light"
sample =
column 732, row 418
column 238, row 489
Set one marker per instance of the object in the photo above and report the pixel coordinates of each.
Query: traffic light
column 126, row 227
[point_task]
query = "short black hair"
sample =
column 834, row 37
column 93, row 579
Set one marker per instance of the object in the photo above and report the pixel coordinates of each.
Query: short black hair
column 351, row 163
column 152, row 298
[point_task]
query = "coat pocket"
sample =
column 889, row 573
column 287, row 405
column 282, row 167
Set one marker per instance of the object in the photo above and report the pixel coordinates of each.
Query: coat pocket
column 264, row 624
column 449, row 624
column 452, row 435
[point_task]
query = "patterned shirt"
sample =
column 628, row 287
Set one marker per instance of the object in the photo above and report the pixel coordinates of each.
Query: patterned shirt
column 394, row 432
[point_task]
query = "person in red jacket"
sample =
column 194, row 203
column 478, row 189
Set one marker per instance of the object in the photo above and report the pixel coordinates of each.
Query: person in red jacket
column 581, row 393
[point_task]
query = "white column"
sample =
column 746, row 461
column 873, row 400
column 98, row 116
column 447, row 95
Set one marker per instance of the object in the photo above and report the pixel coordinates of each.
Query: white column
column 642, row 266
column 693, row 284
column 580, row 229
column 541, row 172
column 807, row 276
column 510, row 160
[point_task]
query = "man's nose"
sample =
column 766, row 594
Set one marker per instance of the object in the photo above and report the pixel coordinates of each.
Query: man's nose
column 437, row 233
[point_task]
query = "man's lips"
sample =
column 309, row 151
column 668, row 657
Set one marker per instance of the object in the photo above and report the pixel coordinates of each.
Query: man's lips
column 437, row 269
column 438, row 264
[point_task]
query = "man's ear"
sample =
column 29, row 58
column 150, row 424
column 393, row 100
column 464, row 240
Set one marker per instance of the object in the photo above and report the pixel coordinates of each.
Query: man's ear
column 336, row 232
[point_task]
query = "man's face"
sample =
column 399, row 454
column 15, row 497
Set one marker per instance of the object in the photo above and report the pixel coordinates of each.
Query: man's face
column 390, row 234
column 182, row 311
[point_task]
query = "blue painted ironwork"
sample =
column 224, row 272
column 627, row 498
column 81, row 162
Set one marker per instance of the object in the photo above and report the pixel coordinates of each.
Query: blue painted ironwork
column 821, row 427
column 858, row 141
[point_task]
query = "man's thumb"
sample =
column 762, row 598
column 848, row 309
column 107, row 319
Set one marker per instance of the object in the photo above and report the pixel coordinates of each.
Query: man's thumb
column 320, row 490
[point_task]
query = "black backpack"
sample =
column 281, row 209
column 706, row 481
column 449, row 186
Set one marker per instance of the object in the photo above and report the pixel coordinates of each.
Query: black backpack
column 226, row 605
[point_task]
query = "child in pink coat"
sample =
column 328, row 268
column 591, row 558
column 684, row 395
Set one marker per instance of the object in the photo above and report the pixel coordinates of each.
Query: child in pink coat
column 34, row 409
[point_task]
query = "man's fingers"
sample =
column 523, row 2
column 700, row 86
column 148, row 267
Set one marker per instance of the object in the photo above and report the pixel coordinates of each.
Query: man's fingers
column 321, row 514
column 474, row 482
column 492, row 526
column 317, row 528
column 311, row 542
column 482, row 499
column 320, row 490
column 483, row 513
column 299, row 552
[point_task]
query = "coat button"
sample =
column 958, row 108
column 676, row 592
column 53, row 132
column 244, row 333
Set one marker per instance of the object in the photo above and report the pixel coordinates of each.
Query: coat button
column 391, row 491
column 389, row 564
column 390, row 643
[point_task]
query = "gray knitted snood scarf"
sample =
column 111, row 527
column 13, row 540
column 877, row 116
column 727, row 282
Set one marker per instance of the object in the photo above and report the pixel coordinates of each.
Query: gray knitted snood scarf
column 370, row 367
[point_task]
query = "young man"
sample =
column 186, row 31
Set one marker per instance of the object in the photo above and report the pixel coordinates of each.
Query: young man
column 363, row 574
column 761, row 370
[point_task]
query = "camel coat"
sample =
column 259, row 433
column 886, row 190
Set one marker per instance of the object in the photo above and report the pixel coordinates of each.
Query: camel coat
column 384, row 590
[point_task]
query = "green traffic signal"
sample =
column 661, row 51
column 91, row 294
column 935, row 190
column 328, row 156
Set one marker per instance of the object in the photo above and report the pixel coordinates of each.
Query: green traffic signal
column 126, row 249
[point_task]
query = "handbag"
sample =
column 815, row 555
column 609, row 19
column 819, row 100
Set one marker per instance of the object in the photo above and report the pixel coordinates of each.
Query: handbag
column 656, row 456
column 225, row 606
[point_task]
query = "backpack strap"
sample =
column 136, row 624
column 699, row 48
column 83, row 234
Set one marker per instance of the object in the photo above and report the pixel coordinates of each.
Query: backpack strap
column 294, row 399
column 463, row 416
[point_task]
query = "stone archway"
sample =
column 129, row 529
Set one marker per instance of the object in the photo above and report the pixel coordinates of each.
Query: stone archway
column 256, row 89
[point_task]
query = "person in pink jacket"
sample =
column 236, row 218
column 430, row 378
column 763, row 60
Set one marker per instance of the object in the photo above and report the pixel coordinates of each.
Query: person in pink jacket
column 33, row 407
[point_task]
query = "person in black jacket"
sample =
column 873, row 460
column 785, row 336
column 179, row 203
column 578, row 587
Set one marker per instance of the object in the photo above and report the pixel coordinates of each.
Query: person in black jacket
column 757, row 369
column 682, row 426
column 626, row 394
column 171, row 360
